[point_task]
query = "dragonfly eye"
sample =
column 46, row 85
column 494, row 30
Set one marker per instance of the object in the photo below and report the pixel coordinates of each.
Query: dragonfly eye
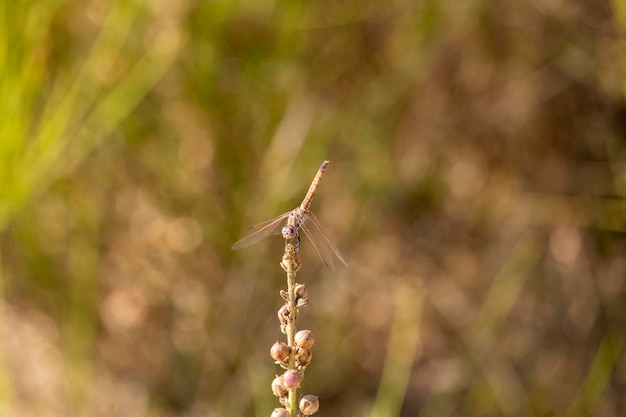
column 289, row 232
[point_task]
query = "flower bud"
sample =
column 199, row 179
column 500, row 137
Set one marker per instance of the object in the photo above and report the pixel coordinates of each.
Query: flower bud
column 280, row 412
column 292, row 378
column 305, row 339
column 278, row 387
column 280, row 352
column 309, row 404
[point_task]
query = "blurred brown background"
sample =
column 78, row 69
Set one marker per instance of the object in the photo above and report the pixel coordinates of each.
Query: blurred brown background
column 476, row 186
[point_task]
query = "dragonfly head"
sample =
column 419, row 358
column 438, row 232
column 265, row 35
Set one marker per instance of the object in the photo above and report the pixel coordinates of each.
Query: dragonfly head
column 289, row 232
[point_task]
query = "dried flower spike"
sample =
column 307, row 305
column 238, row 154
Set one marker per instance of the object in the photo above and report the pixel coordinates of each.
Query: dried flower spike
column 295, row 355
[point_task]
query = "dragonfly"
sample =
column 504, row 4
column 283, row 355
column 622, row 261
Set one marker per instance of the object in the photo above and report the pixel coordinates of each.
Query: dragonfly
column 299, row 218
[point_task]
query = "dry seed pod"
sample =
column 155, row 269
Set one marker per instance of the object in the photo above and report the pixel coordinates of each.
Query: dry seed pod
column 285, row 401
column 304, row 357
column 292, row 379
column 301, row 291
column 309, row 404
column 305, row 339
column 280, row 352
column 278, row 387
column 280, row 412
column 284, row 314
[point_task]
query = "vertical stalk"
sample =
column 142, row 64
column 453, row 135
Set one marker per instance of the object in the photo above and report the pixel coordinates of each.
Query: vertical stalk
column 295, row 355
column 291, row 264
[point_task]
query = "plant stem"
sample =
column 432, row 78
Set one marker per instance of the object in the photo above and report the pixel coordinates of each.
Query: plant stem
column 291, row 331
column 291, row 264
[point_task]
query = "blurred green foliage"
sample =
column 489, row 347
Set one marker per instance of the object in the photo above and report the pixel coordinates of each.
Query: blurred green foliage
column 476, row 185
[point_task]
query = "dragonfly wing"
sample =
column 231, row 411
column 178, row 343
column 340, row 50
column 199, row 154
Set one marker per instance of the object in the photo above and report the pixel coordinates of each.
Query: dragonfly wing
column 261, row 230
column 318, row 238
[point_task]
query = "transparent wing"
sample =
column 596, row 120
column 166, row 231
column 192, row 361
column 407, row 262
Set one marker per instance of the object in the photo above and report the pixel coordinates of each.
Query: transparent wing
column 316, row 235
column 261, row 230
